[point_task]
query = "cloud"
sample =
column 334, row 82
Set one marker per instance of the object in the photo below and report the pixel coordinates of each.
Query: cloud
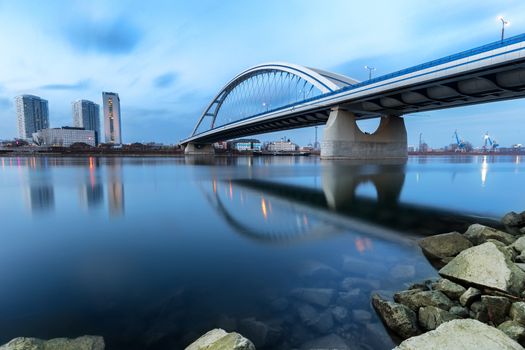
column 106, row 36
column 80, row 85
column 165, row 80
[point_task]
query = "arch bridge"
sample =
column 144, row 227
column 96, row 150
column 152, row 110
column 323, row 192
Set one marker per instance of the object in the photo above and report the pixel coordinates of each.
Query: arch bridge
column 280, row 96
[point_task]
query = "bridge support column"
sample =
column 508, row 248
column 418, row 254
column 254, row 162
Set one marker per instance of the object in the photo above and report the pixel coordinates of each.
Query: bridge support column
column 199, row 149
column 342, row 138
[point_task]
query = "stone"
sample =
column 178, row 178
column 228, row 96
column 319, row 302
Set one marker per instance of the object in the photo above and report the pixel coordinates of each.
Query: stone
column 402, row 272
column 397, row 317
column 459, row 311
column 517, row 312
column 314, row 296
column 520, row 258
column 478, row 311
column 497, row 308
column 479, row 234
column 485, row 265
column 431, row 317
column 521, row 266
column 340, row 313
column 219, row 339
column 86, row 342
column 317, row 270
column 469, row 296
column 461, row 334
column 361, row 316
column 513, row 219
column 260, row 333
column 513, row 329
column 444, row 245
column 415, row 299
column 350, row 283
column 519, row 244
column 319, row 321
column 350, row 298
column 331, row 341
column 449, row 288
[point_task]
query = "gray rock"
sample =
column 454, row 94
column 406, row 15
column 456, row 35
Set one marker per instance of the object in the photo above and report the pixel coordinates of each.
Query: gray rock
column 461, row 334
column 513, row 219
column 478, row 311
column 260, row 333
column 361, row 316
column 513, row 329
column 479, row 234
column 331, row 341
column 521, row 266
column 449, row 288
column 86, row 342
column 517, row 312
column 415, row 299
column 315, row 296
column 520, row 258
column 497, row 308
column 459, row 311
column 399, row 318
column 219, row 339
column 519, row 244
column 402, row 272
column 431, row 317
column 340, row 313
column 469, row 296
column 522, row 230
column 487, row 266
column 444, row 245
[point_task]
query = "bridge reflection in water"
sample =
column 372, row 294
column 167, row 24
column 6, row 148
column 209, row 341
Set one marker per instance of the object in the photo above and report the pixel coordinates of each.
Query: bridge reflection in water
column 277, row 212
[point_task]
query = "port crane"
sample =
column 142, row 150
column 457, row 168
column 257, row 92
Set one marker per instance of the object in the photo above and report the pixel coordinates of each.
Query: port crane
column 488, row 141
column 460, row 143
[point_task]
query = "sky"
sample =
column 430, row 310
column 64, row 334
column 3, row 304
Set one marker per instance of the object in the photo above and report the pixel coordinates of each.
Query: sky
column 168, row 59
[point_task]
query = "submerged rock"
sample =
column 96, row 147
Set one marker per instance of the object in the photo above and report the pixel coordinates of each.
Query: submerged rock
column 219, row 339
column 332, row 342
column 415, row 299
column 315, row 296
column 340, row 313
column 444, row 245
column 513, row 329
column 479, row 234
column 513, row 219
column 322, row 322
column 431, row 317
column 497, row 308
column 317, row 270
column 260, row 333
column 86, row 342
column 398, row 317
column 461, row 334
column 449, row 288
column 402, row 271
column 487, row 266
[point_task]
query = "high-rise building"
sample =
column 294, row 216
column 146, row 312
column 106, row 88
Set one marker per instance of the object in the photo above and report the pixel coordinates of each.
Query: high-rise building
column 111, row 106
column 86, row 115
column 32, row 113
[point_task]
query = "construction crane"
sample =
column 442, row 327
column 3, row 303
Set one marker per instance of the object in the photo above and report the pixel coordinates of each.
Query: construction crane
column 460, row 143
column 487, row 141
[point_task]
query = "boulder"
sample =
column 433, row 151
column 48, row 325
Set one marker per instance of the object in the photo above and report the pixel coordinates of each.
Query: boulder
column 478, row 311
column 469, row 296
column 444, row 245
column 260, row 333
column 331, row 341
column 461, row 334
column 513, row 219
column 479, row 234
column 397, row 317
column 517, row 312
column 449, row 288
column 497, row 308
column 86, row 342
column 219, row 339
column 315, row 296
column 485, row 265
column 513, row 329
column 415, row 299
column 431, row 317
column 459, row 311
column 519, row 244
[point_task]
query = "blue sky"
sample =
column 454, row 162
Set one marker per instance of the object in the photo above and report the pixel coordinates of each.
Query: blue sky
column 167, row 59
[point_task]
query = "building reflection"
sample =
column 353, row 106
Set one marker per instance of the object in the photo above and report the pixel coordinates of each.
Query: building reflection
column 91, row 191
column 38, row 190
column 115, row 187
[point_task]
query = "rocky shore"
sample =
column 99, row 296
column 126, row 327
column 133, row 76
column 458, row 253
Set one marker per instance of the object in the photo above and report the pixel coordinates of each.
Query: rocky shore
column 478, row 303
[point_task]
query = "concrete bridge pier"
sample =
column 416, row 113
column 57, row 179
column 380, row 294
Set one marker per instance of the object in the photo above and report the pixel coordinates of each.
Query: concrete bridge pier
column 343, row 139
column 199, row 149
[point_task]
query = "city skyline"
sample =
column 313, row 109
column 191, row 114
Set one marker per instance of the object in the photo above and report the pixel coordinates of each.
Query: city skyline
column 167, row 83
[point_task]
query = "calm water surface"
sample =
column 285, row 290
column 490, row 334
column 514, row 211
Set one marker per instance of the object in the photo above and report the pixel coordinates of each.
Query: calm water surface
column 152, row 252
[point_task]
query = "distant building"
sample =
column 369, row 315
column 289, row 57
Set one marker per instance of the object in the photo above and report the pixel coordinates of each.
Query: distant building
column 112, row 128
column 64, row 136
column 86, row 115
column 246, row 145
column 32, row 113
column 282, row 146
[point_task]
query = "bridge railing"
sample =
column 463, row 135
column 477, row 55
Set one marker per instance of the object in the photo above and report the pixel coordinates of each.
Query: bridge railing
column 454, row 57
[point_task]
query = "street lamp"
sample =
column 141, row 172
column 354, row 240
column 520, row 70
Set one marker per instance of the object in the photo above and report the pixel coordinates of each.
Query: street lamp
column 370, row 69
column 503, row 24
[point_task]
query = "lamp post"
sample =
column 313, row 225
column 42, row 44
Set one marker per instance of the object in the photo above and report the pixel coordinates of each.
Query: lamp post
column 370, row 69
column 503, row 24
